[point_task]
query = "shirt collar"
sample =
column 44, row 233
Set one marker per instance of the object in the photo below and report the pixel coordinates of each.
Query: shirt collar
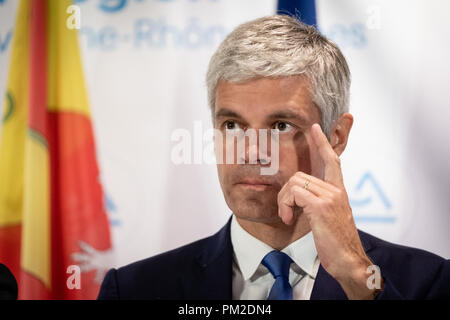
column 304, row 253
column 249, row 251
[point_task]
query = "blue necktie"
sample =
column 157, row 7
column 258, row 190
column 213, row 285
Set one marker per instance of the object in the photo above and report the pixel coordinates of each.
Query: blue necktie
column 278, row 264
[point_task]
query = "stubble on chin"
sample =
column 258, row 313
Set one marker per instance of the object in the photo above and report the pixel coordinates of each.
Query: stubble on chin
column 261, row 208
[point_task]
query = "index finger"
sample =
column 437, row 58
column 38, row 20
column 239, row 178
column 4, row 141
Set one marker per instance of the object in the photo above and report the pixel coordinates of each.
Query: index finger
column 333, row 172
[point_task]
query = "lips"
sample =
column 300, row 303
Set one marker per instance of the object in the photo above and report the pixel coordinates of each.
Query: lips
column 255, row 182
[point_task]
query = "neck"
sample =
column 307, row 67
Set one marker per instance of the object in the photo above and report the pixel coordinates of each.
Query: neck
column 276, row 234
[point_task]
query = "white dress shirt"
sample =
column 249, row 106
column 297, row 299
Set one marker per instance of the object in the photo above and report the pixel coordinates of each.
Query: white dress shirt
column 253, row 281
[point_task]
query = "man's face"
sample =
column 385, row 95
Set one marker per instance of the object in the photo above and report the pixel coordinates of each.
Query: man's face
column 266, row 103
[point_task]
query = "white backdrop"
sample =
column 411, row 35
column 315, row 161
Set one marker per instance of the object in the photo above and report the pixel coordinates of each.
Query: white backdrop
column 145, row 63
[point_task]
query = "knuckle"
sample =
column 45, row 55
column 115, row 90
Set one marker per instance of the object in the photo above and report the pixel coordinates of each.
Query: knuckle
column 337, row 195
column 295, row 178
column 294, row 181
column 333, row 197
column 291, row 180
column 298, row 174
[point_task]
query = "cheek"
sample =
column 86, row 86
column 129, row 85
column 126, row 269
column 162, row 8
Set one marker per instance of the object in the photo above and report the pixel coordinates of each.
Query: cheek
column 224, row 173
column 221, row 172
column 295, row 155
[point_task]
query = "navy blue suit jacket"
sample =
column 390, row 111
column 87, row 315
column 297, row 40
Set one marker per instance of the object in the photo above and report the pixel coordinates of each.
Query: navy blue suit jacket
column 203, row 270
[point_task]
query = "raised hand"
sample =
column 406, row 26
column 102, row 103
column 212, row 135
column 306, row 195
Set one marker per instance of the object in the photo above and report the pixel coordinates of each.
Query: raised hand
column 326, row 206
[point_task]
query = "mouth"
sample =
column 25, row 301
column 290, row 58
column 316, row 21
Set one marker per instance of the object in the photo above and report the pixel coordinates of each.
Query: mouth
column 254, row 184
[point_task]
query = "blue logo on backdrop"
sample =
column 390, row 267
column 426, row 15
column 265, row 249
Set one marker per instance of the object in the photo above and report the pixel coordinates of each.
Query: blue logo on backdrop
column 151, row 33
column 369, row 202
column 155, row 34
column 158, row 33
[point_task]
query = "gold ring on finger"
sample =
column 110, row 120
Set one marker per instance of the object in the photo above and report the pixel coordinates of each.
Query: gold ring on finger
column 307, row 182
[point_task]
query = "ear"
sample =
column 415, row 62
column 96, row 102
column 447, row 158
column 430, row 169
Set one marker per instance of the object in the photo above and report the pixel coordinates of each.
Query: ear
column 340, row 132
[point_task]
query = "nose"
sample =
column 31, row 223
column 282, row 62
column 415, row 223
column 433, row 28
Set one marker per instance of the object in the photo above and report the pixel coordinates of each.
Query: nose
column 256, row 147
column 252, row 153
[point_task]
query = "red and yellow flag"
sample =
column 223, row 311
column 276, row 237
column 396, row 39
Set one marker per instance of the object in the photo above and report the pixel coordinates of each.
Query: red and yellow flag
column 52, row 215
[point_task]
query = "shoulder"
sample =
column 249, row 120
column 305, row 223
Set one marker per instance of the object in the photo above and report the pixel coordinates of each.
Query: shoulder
column 176, row 260
column 388, row 251
column 163, row 276
column 157, row 277
column 415, row 272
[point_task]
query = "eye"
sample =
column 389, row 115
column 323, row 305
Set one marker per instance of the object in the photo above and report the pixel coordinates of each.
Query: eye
column 231, row 125
column 282, row 126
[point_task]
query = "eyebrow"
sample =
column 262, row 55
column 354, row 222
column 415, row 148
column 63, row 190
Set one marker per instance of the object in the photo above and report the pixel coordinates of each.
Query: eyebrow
column 281, row 114
column 224, row 112
column 288, row 114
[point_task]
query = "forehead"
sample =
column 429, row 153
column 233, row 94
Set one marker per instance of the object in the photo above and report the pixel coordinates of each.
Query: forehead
column 258, row 98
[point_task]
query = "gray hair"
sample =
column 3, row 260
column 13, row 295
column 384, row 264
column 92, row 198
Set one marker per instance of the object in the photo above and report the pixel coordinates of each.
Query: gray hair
column 283, row 46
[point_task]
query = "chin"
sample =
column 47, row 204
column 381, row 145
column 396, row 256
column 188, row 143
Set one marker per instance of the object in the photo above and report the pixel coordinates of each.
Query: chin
column 256, row 210
column 252, row 204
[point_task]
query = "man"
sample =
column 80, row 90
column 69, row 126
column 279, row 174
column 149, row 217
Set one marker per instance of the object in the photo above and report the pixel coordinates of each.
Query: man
column 292, row 234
